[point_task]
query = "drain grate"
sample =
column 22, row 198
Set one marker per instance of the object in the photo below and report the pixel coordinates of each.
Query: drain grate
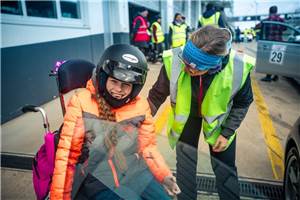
column 249, row 188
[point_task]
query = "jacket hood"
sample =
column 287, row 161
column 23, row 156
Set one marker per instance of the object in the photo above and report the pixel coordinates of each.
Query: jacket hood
column 209, row 13
column 91, row 84
column 176, row 23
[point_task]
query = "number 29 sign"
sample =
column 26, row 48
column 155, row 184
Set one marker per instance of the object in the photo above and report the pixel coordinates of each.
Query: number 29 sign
column 277, row 54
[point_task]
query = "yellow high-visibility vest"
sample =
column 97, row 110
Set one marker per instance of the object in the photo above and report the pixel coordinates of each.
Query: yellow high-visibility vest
column 159, row 34
column 217, row 102
column 179, row 35
column 212, row 20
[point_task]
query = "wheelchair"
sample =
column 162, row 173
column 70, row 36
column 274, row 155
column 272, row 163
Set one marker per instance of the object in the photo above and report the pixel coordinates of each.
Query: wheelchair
column 69, row 75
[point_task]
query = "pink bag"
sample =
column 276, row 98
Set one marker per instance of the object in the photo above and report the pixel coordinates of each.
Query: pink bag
column 43, row 165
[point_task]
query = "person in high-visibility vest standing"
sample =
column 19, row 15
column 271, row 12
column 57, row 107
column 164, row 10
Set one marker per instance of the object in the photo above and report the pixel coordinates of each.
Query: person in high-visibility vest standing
column 177, row 32
column 211, row 17
column 158, row 37
column 210, row 89
column 141, row 34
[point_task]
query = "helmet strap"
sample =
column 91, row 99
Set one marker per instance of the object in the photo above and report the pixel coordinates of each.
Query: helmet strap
column 102, row 90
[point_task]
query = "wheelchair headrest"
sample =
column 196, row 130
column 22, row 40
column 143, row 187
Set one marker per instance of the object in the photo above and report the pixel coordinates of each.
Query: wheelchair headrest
column 74, row 74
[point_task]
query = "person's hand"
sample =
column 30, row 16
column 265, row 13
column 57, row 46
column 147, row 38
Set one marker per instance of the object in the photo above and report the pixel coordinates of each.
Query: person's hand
column 220, row 144
column 171, row 186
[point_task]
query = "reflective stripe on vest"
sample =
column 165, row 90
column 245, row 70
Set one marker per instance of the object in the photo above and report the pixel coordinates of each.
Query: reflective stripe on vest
column 175, row 71
column 178, row 35
column 214, row 110
column 179, row 114
column 212, row 20
column 159, row 34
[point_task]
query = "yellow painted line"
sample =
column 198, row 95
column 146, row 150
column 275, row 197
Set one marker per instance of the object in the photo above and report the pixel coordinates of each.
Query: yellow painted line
column 161, row 120
column 274, row 148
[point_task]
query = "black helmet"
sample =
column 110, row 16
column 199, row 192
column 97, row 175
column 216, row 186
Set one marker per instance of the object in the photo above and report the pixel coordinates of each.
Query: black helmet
column 125, row 63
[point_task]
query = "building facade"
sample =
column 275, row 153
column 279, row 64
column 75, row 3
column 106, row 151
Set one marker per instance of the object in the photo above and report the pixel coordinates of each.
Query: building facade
column 36, row 34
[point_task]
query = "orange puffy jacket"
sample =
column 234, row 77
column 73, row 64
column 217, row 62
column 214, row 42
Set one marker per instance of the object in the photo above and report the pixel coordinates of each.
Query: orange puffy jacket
column 72, row 138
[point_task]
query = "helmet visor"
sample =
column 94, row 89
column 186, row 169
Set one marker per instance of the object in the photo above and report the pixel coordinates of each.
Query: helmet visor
column 124, row 72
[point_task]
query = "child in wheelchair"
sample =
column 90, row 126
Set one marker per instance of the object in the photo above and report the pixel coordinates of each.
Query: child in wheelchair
column 107, row 147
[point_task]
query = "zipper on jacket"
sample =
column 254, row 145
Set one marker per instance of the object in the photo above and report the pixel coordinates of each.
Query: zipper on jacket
column 114, row 172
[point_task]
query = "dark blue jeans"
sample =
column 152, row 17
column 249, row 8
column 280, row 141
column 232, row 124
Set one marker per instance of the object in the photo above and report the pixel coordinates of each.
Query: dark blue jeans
column 153, row 191
column 107, row 194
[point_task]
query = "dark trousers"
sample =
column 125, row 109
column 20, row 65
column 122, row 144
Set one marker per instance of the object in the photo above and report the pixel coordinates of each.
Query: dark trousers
column 223, row 165
column 158, row 48
column 153, row 191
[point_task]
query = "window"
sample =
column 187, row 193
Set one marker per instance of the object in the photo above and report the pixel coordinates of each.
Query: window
column 62, row 13
column 41, row 9
column 275, row 31
column 70, row 9
column 11, row 7
column 45, row 9
column 291, row 35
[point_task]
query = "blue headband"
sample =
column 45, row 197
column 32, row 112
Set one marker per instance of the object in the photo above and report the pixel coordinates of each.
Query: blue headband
column 200, row 59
